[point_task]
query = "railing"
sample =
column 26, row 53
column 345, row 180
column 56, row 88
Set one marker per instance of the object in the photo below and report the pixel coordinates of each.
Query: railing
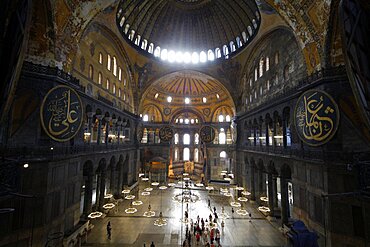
column 312, row 154
column 51, row 152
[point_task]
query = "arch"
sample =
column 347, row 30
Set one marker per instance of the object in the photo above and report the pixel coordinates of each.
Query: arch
column 222, row 110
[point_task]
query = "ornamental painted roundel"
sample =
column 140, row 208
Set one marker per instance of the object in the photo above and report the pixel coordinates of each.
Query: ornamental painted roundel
column 166, row 133
column 316, row 117
column 61, row 113
column 207, row 134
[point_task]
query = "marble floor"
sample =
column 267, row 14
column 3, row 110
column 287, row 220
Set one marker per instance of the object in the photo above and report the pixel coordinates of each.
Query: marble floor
column 137, row 230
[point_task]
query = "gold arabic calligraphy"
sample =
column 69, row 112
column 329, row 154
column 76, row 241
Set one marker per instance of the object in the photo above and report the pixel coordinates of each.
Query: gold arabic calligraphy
column 314, row 120
column 62, row 116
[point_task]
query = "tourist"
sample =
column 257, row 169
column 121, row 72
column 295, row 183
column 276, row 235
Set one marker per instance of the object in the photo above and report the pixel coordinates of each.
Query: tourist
column 152, row 245
column 198, row 237
column 250, row 217
column 214, row 209
column 109, row 230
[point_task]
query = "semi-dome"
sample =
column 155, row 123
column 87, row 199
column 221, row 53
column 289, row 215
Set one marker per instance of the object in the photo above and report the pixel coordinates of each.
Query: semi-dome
column 188, row 31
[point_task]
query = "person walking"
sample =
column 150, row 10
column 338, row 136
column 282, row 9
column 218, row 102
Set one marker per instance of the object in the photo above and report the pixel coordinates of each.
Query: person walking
column 152, row 244
column 109, row 230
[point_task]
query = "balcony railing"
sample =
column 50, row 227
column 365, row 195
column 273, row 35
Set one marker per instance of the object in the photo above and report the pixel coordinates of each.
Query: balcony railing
column 313, row 154
column 33, row 152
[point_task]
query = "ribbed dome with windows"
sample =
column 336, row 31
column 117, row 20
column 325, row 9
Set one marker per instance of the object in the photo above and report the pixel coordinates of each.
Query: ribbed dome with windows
column 188, row 31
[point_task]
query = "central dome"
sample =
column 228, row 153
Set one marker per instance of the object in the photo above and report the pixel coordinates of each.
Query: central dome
column 188, row 30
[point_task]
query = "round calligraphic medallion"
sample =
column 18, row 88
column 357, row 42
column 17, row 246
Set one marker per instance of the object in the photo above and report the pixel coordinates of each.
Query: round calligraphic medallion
column 166, row 133
column 207, row 134
column 61, row 113
column 316, row 117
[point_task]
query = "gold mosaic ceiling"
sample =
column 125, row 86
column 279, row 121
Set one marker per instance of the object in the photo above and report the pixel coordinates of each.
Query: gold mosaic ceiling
column 190, row 84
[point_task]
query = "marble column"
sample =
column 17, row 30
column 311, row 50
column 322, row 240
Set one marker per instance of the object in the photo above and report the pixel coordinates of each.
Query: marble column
column 119, row 180
column 274, row 185
column 112, row 188
column 102, row 189
column 119, row 131
column 270, row 194
column 107, row 122
column 284, row 133
column 253, row 183
column 99, row 117
column 88, row 195
column 284, row 201
column 97, row 191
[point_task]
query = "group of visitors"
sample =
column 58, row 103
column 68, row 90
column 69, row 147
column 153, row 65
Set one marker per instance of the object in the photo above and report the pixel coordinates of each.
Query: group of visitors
column 203, row 230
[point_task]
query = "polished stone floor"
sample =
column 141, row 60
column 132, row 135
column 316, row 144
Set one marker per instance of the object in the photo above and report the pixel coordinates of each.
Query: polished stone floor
column 137, row 230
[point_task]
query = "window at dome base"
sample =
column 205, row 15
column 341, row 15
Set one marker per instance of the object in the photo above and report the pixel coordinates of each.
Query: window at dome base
column 183, row 41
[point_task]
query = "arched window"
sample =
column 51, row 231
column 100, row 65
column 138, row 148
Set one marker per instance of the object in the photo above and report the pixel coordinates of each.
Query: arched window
column 245, row 37
column 232, row 46
column 276, row 57
column 151, row 48
column 221, row 118
column 196, row 155
column 100, row 79
column 186, row 139
column 261, row 66
column 267, row 63
column 225, row 51
column 119, row 74
column 218, row 52
column 255, row 74
column 223, row 154
column 176, row 138
column 203, row 57
column 122, row 21
column 146, row 118
column 261, row 90
column 89, row 89
column 144, row 44
column 211, row 55
column 124, row 97
column 127, row 27
column 254, row 23
column 222, row 136
column 228, row 118
column 186, row 154
column 107, row 85
column 137, row 40
column 196, row 138
column 164, row 54
column 250, row 31
column 91, row 72
column 114, row 88
column 119, row 93
column 157, row 51
column 109, row 62
column 239, row 42
column 131, row 35
column 286, row 72
column 176, row 156
column 114, row 66
column 100, row 58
